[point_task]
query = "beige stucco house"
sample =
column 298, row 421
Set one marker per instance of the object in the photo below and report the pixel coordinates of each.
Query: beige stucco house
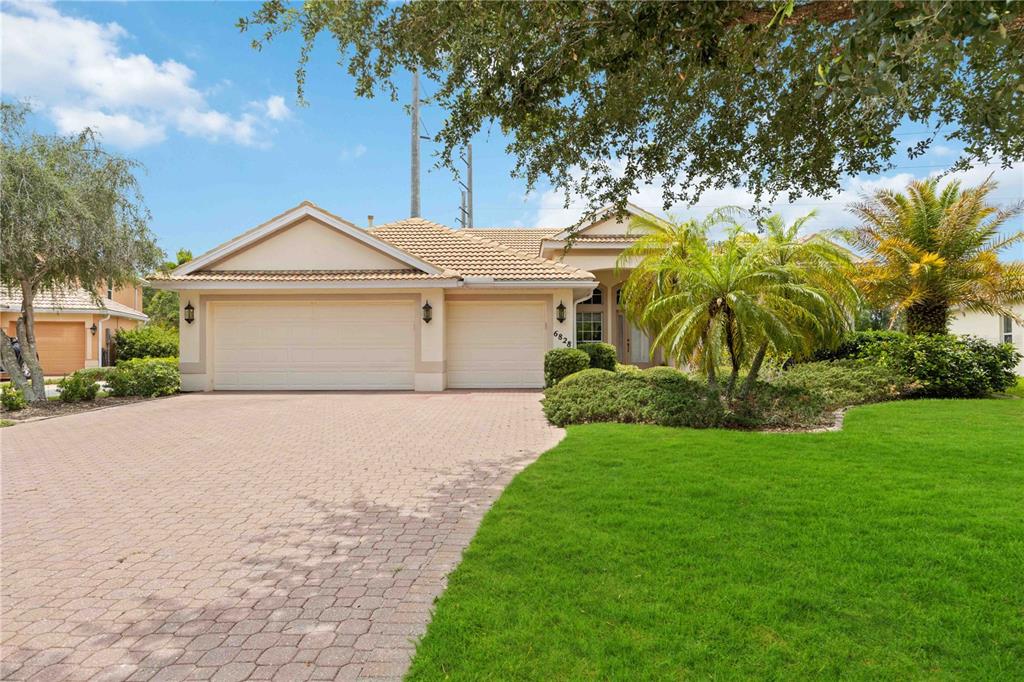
column 309, row 301
column 75, row 328
column 992, row 328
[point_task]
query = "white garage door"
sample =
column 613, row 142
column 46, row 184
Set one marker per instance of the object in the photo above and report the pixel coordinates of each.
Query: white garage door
column 313, row 345
column 496, row 344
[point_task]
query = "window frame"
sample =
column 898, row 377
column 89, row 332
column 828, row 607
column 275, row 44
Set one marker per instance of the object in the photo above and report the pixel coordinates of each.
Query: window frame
column 593, row 317
column 1006, row 329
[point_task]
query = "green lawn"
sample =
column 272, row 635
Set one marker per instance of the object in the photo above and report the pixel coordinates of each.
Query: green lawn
column 893, row 549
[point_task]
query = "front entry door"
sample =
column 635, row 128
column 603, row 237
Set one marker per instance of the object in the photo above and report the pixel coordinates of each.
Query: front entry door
column 639, row 346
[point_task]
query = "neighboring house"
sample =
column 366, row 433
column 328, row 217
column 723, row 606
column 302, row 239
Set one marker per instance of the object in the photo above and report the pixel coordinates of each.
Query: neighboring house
column 75, row 329
column 993, row 328
column 309, row 301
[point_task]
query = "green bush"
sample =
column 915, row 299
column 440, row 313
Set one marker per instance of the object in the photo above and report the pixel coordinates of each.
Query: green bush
column 602, row 355
column 859, row 345
column 626, row 368
column 561, row 362
column 584, row 374
column 147, row 377
column 597, row 395
column 96, row 373
column 77, row 387
column 776, row 407
column 12, row 399
column 846, row 382
column 147, row 341
column 948, row 366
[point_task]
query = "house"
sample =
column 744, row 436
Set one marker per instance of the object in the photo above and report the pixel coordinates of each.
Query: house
column 992, row 328
column 75, row 328
column 308, row 301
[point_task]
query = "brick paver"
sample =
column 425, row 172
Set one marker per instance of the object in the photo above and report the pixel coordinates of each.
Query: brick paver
column 249, row 536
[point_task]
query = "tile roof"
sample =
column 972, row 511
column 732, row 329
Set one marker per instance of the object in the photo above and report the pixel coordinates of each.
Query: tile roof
column 71, row 300
column 299, row 275
column 584, row 238
column 523, row 239
column 469, row 254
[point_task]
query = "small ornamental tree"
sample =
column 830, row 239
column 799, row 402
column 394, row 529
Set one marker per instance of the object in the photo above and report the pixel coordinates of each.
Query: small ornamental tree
column 72, row 216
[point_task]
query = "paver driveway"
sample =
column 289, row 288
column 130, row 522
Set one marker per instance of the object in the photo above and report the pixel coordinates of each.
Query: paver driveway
column 252, row 536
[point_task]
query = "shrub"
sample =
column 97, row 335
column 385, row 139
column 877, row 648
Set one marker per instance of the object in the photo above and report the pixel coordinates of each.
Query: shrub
column 12, row 399
column 148, row 377
column 846, row 382
column 596, row 395
column 561, row 362
column 626, row 368
column 147, row 341
column 96, row 373
column 950, row 367
column 77, row 387
column 776, row 407
column 860, row 345
column 602, row 355
column 584, row 374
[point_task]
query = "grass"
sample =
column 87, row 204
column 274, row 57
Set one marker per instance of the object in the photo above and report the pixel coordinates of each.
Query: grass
column 893, row 549
column 1018, row 390
column 7, row 422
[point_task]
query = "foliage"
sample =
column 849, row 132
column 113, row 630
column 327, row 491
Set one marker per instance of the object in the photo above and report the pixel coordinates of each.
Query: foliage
column 148, row 377
column 146, row 341
column 948, row 366
column 930, row 250
column 858, row 345
column 78, row 387
column 161, row 305
column 776, row 407
column 602, row 97
column 597, row 395
column 845, row 382
column 740, row 298
column 1017, row 389
column 71, row 214
column 634, row 552
column 12, row 398
column 96, row 373
column 602, row 355
column 561, row 362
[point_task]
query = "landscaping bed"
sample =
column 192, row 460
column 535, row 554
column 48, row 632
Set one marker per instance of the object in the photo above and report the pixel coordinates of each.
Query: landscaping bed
column 888, row 550
column 58, row 408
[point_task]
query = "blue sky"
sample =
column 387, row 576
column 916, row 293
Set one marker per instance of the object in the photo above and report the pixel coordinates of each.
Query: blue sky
column 225, row 146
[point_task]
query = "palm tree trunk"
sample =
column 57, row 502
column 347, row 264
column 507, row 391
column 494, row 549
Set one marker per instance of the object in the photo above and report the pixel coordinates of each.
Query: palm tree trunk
column 928, row 317
column 755, row 368
column 730, row 342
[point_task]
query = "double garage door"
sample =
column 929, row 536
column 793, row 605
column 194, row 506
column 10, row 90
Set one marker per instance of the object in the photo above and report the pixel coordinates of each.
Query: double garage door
column 346, row 345
column 61, row 345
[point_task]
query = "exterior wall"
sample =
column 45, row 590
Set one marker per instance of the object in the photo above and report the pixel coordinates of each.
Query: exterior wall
column 610, row 226
column 309, row 245
column 989, row 327
column 130, row 296
column 196, row 342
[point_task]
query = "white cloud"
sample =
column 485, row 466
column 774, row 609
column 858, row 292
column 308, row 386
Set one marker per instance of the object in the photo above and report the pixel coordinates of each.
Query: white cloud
column 81, row 74
column 276, row 108
column 121, row 127
column 352, row 153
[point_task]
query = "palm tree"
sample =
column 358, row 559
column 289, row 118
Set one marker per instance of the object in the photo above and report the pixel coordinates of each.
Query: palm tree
column 726, row 298
column 929, row 251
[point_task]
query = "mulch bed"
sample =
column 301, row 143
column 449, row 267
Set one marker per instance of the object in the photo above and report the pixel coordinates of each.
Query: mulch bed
column 56, row 408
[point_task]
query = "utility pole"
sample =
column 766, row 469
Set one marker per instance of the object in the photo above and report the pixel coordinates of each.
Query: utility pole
column 469, row 184
column 414, row 198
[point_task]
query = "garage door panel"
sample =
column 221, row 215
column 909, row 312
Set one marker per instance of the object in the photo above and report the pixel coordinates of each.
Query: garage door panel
column 496, row 344
column 314, row 346
column 61, row 345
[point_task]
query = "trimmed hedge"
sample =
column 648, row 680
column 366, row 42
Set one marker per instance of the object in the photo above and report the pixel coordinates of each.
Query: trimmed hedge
column 77, row 387
column 846, row 382
column 96, row 373
column 597, row 395
column 561, row 362
column 948, row 366
column 147, row 341
column 147, row 377
column 602, row 355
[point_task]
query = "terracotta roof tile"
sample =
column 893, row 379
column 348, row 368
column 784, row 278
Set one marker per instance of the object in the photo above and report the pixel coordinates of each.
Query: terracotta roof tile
column 70, row 300
column 470, row 254
column 603, row 238
column 523, row 239
column 300, row 275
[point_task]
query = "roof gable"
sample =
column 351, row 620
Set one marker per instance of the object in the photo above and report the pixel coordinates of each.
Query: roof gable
column 606, row 225
column 306, row 238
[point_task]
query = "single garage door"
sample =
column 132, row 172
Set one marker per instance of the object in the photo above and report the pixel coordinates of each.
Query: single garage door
column 313, row 345
column 496, row 344
column 61, row 345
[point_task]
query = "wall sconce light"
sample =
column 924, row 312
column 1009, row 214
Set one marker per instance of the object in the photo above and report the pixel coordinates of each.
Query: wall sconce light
column 427, row 312
column 94, row 329
column 190, row 312
column 561, row 311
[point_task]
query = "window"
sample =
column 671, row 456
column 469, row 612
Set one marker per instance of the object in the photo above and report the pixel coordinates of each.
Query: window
column 110, row 290
column 1007, row 329
column 589, row 327
column 595, row 298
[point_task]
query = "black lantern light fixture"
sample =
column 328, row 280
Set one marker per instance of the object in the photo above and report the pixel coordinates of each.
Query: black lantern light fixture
column 94, row 329
column 190, row 312
column 561, row 311
column 428, row 314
